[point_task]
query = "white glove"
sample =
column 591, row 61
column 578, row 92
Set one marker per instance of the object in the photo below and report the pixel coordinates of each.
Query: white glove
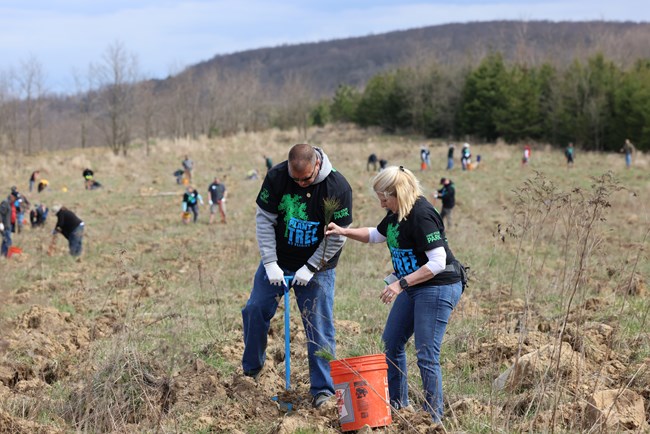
column 2, row 227
column 274, row 273
column 211, row 202
column 303, row 276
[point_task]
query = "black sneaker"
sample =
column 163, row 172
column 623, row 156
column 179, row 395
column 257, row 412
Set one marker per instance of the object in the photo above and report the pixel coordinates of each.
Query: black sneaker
column 321, row 399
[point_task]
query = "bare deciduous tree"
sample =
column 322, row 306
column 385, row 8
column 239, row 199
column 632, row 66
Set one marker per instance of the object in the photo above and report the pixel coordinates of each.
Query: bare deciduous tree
column 116, row 76
column 9, row 110
column 85, row 94
column 146, row 110
column 297, row 100
column 32, row 89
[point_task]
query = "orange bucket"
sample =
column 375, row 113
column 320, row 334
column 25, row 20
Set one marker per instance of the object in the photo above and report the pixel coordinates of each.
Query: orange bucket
column 13, row 250
column 361, row 385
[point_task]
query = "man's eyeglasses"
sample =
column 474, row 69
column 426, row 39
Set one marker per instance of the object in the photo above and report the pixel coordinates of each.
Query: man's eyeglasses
column 307, row 178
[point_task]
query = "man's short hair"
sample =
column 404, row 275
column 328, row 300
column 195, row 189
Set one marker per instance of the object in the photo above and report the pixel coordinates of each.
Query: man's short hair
column 302, row 155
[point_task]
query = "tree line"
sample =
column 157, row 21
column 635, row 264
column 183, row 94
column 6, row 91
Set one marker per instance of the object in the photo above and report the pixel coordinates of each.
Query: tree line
column 593, row 103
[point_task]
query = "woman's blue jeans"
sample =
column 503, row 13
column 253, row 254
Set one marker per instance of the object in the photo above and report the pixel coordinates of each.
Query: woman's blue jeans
column 316, row 304
column 423, row 311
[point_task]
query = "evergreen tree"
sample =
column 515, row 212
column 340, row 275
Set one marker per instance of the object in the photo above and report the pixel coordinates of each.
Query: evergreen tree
column 588, row 102
column 482, row 97
column 374, row 106
column 631, row 117
column 519, row 118
column 344, row 104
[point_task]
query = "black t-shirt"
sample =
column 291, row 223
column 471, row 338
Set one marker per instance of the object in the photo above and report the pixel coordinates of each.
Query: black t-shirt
column 300, row 225
column 216, row 191
column 409, row 239
column 448, row 195
column 67, row 222
column 450, row 153
column 191, row 198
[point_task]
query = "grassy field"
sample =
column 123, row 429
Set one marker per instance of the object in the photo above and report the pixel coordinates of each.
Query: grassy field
column 144, row 333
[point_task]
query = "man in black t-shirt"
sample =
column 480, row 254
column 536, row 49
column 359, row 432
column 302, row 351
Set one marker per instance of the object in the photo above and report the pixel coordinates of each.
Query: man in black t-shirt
column 290, row 222
column 448, row 196
column 217, row 192
column 70, row 226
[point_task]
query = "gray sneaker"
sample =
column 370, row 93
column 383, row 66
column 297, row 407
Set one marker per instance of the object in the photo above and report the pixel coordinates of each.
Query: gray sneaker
column 321, row 399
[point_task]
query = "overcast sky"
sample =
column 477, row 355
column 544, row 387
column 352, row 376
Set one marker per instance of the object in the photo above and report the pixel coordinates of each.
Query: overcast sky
column 167, row 35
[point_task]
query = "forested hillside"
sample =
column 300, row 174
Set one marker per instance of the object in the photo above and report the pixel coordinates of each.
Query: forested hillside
column 586, row 82
column 354, row 60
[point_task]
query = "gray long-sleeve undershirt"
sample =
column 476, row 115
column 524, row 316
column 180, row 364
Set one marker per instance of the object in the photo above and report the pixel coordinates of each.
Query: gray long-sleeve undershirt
column 265, row 223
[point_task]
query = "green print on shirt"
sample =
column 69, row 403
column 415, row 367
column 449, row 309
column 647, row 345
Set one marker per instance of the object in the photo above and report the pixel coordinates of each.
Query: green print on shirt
column 264, row 195
column 292, row 208
column 433, row 236
column 391, row 236
column 342, row 213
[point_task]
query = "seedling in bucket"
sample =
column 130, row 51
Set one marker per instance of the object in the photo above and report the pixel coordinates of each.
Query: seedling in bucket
column 286, row 406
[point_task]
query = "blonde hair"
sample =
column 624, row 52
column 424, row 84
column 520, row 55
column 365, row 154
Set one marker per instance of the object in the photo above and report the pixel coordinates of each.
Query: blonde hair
column 400, row 183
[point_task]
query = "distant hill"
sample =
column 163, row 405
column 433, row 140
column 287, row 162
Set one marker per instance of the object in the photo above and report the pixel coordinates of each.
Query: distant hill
column 354, row 60
column 276, row 86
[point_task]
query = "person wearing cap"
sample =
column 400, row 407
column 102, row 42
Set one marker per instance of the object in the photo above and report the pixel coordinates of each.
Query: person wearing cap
column 71, row 227
column 425, row 287
column 448, row 196
column 88, row 175
column 5, row 222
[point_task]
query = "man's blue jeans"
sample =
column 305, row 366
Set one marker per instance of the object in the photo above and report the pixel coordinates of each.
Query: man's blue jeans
column 450, row 163
column 316, row 304
column 423, row 311
column 6, row 241
column 75, row 241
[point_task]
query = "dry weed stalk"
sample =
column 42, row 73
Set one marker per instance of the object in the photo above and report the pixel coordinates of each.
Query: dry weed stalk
column 543, row 217
column 125, row 390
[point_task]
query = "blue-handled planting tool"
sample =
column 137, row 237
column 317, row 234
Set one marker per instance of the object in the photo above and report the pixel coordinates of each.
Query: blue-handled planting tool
column 286, row 406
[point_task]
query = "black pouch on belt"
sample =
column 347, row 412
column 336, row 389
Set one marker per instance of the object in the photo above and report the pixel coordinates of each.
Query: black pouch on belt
column 463, row 272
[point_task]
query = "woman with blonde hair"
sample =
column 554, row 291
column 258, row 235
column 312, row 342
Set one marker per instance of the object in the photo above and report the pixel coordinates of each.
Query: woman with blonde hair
column 426, row 285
